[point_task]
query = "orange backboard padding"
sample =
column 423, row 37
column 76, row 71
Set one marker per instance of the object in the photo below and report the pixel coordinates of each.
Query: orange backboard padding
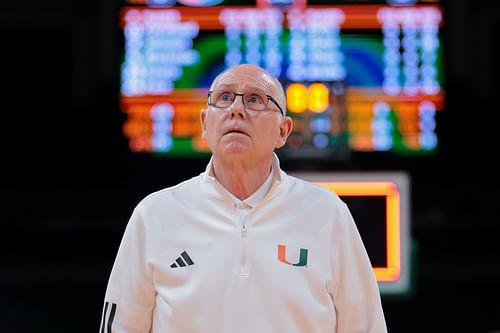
column 392, row 270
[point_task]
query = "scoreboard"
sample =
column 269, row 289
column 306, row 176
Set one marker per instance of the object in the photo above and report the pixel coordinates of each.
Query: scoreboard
column 362, row 77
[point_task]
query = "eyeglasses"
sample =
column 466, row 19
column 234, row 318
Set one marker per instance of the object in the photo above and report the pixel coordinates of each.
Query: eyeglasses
column 251, row 101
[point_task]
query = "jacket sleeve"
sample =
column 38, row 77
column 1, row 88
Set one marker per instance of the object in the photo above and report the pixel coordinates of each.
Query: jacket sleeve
column 355, row 291
column 130, row 294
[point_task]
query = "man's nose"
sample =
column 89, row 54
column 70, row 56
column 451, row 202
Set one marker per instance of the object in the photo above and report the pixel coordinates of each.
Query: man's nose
column 237, row 109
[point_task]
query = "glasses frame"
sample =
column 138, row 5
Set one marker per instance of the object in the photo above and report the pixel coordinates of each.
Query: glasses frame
column 269, row 98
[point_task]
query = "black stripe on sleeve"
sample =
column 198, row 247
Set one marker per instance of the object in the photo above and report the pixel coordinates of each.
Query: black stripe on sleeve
column 187, row 258
column 111, row 316
column 104, row 316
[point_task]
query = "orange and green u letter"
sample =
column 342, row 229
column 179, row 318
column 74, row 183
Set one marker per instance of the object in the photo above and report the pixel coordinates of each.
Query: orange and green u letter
column 282, row 256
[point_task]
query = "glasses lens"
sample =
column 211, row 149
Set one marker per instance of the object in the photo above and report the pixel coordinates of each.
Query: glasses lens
column 221, row 99
column 254, row 101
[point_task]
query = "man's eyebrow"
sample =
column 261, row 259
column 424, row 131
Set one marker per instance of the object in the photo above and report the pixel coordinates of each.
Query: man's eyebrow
column 258, row 90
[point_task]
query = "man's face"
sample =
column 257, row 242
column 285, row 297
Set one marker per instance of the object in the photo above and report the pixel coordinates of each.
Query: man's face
column 236, row 132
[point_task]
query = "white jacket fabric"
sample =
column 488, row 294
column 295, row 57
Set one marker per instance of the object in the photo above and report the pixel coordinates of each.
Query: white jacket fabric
column 191, row 260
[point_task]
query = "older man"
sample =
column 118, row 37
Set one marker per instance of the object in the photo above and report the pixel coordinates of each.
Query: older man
column 243, row 247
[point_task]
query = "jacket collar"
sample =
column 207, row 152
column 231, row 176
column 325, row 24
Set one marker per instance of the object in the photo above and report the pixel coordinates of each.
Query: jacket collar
column 213, row 188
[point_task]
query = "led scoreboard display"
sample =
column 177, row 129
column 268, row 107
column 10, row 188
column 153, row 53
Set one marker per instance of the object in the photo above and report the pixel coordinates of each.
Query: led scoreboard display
column 361, row 77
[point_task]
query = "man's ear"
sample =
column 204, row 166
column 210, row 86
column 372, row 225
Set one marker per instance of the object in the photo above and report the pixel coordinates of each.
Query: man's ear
column 203, row 116
column 286, row 126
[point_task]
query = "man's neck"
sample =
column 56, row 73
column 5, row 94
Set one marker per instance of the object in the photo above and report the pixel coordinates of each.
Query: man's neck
column 241, row 178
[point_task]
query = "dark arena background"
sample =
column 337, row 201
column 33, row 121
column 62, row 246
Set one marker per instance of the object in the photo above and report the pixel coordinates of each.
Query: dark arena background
column 85, row 135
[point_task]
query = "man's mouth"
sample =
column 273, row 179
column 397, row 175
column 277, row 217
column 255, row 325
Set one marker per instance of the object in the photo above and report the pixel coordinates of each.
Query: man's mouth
column 236, row 131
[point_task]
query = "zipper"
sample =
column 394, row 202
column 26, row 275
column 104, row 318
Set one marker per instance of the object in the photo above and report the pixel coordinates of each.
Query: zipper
column 243, row 269
column 244, row 252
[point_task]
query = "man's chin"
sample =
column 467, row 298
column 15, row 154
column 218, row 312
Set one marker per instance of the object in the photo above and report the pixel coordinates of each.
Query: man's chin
column 235, row 149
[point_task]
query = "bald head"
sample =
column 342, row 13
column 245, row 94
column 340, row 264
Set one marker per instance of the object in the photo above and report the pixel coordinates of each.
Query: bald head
column 274, row 84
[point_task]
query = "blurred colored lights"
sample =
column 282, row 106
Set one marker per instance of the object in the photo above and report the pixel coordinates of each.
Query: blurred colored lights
column 318, row 97
column 296, row 98
column 300, row 98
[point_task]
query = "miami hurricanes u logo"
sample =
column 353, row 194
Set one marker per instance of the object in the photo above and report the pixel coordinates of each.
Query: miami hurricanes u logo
column 282, row 256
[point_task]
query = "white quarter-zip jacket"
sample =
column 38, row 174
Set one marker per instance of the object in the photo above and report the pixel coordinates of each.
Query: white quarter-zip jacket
column 194, row 260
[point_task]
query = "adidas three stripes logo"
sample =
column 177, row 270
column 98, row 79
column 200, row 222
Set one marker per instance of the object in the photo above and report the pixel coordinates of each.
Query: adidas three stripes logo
column 181, row 263
column 108, row 314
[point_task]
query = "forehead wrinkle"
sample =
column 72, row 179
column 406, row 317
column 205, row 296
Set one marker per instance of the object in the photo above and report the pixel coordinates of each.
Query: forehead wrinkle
column 237, row 75
column 251, row 88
